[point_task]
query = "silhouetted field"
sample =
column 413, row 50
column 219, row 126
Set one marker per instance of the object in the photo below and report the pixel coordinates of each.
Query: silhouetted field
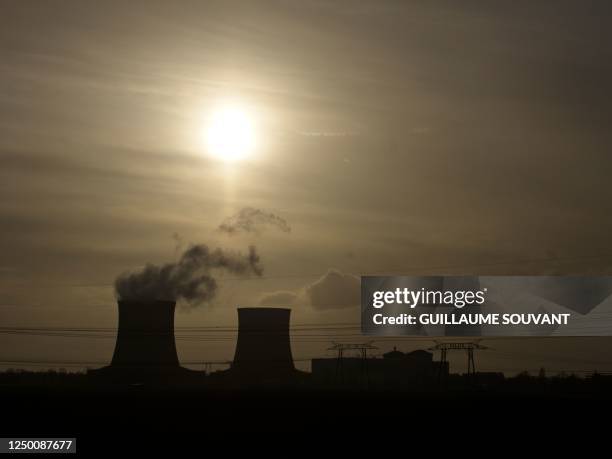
column 49, row 404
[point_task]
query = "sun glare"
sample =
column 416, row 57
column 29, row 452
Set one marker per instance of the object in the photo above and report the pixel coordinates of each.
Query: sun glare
column 230, row 134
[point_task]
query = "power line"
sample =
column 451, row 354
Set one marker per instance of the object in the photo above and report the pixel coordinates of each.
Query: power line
column 297, row 327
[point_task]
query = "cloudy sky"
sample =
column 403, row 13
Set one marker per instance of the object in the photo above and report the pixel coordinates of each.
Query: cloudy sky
column 392, row 137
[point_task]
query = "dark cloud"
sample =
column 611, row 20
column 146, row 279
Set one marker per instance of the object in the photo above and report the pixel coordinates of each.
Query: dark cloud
column 251, row 220
column 191, row 278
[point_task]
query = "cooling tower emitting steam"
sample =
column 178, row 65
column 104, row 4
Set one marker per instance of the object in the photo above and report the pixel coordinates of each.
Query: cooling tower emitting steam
column 145, row 335
column 191, row 278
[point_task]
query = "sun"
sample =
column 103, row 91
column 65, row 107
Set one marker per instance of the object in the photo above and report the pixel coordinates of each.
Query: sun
column 230, row 134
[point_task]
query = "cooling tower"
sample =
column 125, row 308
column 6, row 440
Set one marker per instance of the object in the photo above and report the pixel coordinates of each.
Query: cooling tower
column 145, row 350
column 263, row 350
column 145, row 335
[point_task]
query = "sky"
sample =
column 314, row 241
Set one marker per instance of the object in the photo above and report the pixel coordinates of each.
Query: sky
column 393, row 137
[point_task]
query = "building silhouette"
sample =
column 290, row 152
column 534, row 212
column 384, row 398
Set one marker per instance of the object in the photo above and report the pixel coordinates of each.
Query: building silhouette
column 395, row 370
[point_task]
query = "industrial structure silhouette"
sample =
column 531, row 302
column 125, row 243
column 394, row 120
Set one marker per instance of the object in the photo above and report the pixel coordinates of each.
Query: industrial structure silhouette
column 145, row 351
column 145, row 346
column 263, row 349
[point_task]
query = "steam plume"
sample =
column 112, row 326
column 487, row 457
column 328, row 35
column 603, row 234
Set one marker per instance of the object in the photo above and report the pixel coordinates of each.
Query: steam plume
column 190, row 278
column 251, row 220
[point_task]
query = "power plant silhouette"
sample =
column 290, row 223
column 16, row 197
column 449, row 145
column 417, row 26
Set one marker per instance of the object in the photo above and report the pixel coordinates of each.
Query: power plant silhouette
column 145, row 346
column 145, row 335
column 263, row 349
column 145, row 349
column 145, row 352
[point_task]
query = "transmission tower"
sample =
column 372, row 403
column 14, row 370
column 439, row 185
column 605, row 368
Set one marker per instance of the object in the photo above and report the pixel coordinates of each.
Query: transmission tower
column 363, row 349
column 469, row 347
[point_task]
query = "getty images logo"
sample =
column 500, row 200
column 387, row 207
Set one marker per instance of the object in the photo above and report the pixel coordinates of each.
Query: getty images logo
column 413, row 298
